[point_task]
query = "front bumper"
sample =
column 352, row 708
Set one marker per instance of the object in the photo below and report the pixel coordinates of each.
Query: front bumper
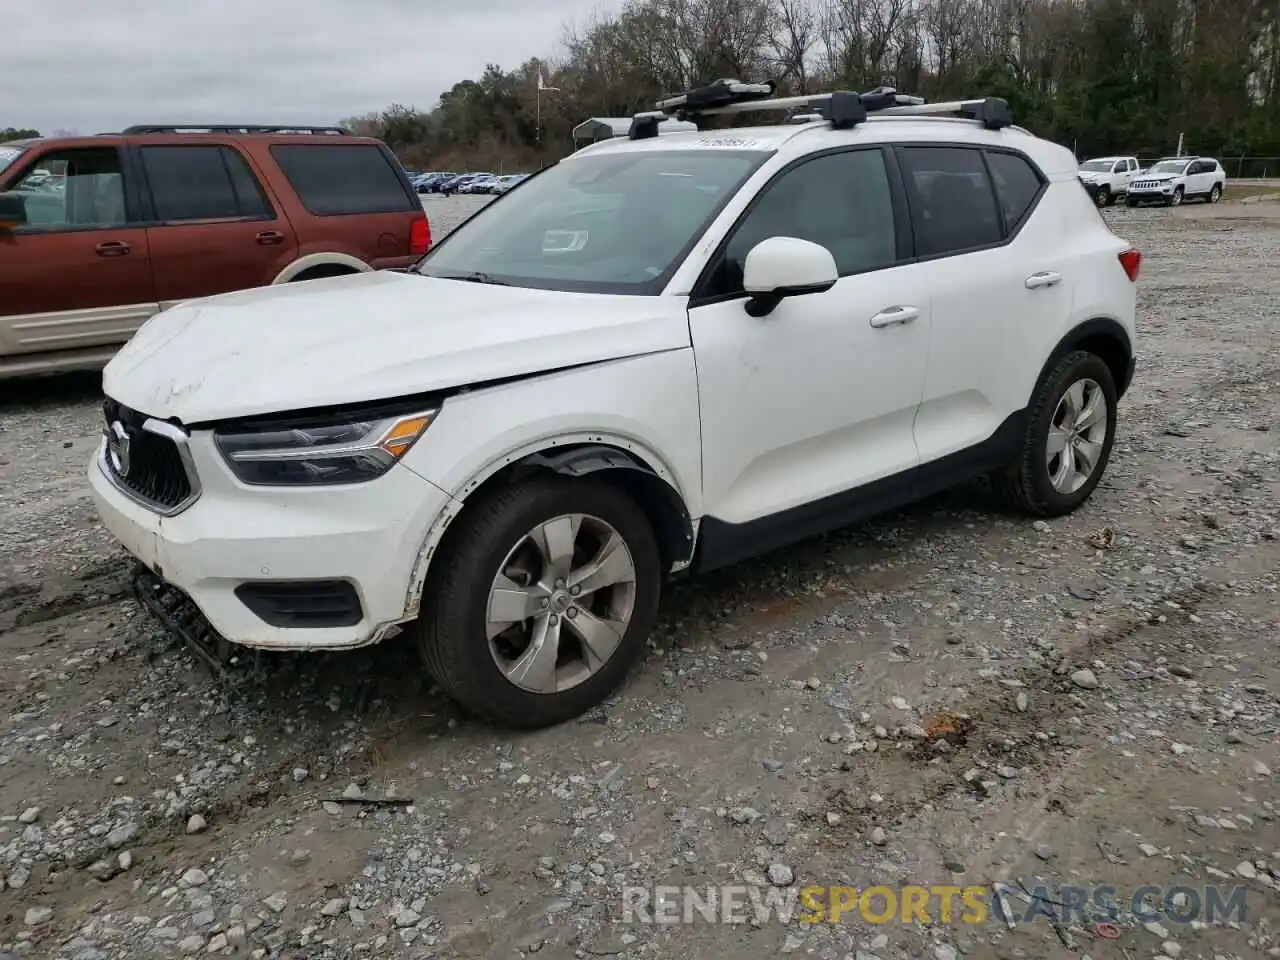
column 1150, row 194
column 368, row 535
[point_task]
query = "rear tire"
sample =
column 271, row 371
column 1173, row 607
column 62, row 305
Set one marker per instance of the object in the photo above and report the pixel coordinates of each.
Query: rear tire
column 500, row 562
column 1074, row 409
column 1215, row 194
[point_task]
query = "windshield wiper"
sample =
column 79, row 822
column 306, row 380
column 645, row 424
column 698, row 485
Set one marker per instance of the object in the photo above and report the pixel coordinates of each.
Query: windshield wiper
column 479, row 277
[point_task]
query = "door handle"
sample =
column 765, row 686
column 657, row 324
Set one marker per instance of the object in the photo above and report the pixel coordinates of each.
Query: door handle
column 112, row 248
column 894, row 316
column 1045, row 278
column 270, row 238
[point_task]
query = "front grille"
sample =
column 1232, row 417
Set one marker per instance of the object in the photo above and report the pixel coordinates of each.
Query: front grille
column 1146, row 184
column 148, row 465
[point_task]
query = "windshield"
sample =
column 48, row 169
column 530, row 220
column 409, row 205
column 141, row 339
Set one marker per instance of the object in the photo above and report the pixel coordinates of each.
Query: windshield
column 609, row 223
column 1097, row 166
column 8, row 155
column 1168, row 166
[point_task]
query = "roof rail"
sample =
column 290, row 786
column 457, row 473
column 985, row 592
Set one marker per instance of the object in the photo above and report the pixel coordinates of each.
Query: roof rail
column 234, row 128
column 841, row 108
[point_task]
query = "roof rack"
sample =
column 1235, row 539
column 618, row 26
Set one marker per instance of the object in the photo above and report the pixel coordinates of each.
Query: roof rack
column 841, row 108
column 234, row 128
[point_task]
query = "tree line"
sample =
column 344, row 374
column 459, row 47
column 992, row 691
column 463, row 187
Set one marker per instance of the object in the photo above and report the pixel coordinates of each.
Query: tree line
column 14, row 133
column 1100, row 76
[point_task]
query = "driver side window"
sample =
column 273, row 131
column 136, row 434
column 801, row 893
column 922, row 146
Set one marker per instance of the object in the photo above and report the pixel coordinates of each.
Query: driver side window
column 74, row 189
column 841, row 201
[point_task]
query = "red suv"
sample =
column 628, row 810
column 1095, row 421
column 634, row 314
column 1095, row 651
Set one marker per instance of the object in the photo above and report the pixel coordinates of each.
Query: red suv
column 97, row 234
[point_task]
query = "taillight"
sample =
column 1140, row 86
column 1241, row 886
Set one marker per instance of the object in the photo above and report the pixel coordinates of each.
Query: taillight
column 1131, row 260
column 419, row 236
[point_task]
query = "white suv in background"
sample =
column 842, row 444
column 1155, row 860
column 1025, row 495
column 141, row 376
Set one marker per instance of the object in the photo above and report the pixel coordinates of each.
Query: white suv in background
column 1107, row 178
column 1174, row 179
column 759, row 334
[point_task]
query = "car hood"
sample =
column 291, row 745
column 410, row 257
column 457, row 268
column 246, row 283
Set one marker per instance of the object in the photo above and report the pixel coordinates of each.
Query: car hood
column 371, row 336
column 1158, row 177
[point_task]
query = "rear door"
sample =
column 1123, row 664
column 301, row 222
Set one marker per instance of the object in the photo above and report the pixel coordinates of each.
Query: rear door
column 76, row 273
column 1008, row 286
column 213, row 227
column 351, row 198
column 1206, row 175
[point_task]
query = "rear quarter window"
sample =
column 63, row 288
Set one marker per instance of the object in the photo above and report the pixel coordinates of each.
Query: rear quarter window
column 1018, row 186
column 344, row 178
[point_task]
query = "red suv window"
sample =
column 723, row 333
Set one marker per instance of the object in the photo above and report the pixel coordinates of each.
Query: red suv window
column 335, row 179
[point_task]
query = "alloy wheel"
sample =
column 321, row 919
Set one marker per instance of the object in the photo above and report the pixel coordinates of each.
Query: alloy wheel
column 1077, row 436
column 561, row 603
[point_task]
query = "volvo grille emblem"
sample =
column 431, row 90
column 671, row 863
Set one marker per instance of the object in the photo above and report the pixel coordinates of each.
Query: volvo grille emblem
column 118, row 448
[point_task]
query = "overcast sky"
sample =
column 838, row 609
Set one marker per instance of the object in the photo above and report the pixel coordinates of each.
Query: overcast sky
column 98, row 65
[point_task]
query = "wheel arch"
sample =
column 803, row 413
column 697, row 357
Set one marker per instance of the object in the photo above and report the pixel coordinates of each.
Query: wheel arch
column 1105, row 338
column 313, row 261
column 633, row 468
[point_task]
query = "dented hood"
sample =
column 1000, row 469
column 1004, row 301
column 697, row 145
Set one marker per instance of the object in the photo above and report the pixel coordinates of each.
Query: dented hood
column 368, row 337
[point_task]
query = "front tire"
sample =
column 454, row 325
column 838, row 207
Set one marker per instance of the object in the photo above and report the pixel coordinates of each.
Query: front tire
column 1102, row 196
column 1071, row 425
column 542, row 601
column 1176, row 199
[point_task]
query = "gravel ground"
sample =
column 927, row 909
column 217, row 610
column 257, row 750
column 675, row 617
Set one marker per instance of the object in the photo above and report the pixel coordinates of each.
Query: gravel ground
column 948, row 695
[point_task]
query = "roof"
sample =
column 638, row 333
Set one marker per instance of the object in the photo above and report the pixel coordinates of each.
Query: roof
column 621, row 126
column 796, row 139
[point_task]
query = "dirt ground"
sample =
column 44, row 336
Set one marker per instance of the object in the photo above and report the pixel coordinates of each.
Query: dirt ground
column 949, row 695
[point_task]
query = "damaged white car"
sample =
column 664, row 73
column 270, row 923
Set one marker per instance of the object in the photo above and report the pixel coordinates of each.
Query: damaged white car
column 661, row 354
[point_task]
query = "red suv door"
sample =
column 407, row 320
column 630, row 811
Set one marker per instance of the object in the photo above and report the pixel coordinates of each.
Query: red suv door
column 75, row 274
column 215, row 229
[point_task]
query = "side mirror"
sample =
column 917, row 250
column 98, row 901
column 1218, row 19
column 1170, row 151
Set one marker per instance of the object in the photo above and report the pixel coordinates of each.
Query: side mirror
column 13, row 211
column 785, row 267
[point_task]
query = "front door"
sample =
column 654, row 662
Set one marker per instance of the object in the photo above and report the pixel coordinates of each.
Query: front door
column 214, row 228
column 76, row 274
column 816, row 399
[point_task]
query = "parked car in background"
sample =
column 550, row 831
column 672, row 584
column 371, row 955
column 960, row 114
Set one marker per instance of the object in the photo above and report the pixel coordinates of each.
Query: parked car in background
column 153, row 216
column 1174, row 179
column 481, row 184
column 1107, row 178
column 460, row 184
column 509, row 182
column 446, row 186
column 430, row 182
column 425, row 182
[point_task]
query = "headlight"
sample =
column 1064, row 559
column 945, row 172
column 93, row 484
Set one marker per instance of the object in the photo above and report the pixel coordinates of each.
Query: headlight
column 319, row 452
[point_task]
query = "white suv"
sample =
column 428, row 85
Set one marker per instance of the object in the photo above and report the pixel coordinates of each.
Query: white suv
column 1175, row 179
column 1107, row 178
column 756, row 335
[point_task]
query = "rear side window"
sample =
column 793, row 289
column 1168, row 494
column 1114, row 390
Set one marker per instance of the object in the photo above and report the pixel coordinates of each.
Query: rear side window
column 953, row 207
column 1018, row 184
column 335, row 179
column 202, row 183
